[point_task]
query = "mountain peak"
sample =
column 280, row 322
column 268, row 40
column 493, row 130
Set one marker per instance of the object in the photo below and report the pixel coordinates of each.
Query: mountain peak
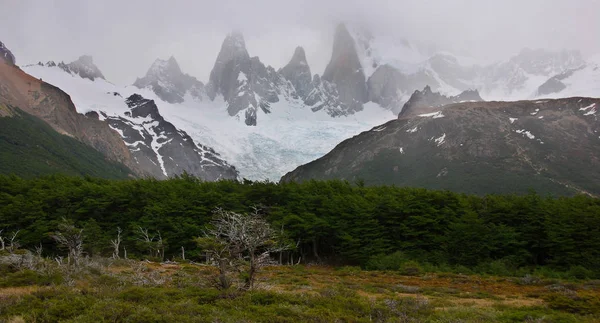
column 84, row 66
column 299, row 55
column 168, row 81
column 345, row 70
column 6, row 54
column 161, row 66
column 298, row 73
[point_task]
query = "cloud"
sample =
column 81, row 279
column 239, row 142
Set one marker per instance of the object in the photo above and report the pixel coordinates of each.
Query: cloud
column 125, row 37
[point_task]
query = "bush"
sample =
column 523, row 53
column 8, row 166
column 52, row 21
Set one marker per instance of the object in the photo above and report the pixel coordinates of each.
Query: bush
column 387, row 262
column 580, row 272
column 411, row 268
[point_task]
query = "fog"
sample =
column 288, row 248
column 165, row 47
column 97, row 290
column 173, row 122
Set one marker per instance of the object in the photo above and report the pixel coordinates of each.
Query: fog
column 125, row 37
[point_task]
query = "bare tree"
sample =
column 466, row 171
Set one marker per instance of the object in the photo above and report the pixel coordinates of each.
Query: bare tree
column 70, row 237
column 12, row 243
column 153, row 243
column 116, row 243
column 241, row 240
column 2, row 241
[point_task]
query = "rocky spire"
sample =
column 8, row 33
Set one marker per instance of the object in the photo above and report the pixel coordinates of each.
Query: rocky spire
column 6, row 54
column 298, row 73
column 345, row 71
column 232, row 57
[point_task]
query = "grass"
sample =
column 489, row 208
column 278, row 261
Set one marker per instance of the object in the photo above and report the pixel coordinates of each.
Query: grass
column 153, row 292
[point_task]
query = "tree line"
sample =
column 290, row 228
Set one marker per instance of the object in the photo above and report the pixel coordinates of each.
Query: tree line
column 333, row 222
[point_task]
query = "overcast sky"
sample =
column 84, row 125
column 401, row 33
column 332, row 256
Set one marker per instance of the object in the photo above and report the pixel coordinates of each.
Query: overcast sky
column 126, row 36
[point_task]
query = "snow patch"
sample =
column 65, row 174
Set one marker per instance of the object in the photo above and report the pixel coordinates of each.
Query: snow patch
column 433, row 115
column 401, row 150
column 413, row 130
column 526, row 133
column 512, row 120
column 440, row 140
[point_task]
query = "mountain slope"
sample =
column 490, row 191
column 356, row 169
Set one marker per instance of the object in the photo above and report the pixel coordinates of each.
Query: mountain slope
column 29, row 147
column 53, row 106
column 552, row 146
column 160, row 148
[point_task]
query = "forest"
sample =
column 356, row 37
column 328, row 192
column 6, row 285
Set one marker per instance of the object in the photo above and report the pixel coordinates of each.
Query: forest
column 328, row 222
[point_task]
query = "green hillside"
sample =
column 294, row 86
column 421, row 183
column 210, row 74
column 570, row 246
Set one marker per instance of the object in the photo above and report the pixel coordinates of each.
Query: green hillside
column 29, row 147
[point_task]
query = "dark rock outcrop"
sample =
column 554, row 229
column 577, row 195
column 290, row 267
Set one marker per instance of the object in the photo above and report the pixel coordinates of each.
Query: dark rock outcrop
column 425, row 101
column 162, row 150
column 169, row 83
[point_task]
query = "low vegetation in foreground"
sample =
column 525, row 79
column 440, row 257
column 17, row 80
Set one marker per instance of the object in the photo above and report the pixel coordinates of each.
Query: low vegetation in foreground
column 109, row 290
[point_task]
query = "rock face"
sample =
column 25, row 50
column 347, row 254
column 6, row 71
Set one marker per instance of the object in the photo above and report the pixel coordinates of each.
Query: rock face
column 244, row 82
column 169, row 83
column 387, row 87
column 7, row 55
column 55, row 107
column 425, row 101
column 298, row 73
column 551, row 146
column 162, row 150
column 345, row 71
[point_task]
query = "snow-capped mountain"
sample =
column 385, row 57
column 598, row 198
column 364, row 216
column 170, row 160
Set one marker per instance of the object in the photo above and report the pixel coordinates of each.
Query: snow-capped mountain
column 581, row 81
column 396, row 68
column 287, row 135
column 84, row 67
column 167, row 80
column 265, row 121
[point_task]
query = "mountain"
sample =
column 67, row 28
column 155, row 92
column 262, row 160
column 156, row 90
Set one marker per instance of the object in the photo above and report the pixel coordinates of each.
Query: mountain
column 30, row 147
column 580, row 81
column 162, row 150
column 84, row 67
column 47, row 102
column 290, row 134
column 246, row 84
column 551, row 146
column 169, row 83
column 427, row 101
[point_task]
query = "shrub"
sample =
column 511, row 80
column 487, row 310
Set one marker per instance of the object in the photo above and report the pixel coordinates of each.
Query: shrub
column 411, row 268
column 387, row 262
column 580, row 272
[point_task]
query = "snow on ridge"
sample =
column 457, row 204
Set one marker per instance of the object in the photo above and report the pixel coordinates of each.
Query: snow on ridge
column 433, row 115
column 413, row 130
